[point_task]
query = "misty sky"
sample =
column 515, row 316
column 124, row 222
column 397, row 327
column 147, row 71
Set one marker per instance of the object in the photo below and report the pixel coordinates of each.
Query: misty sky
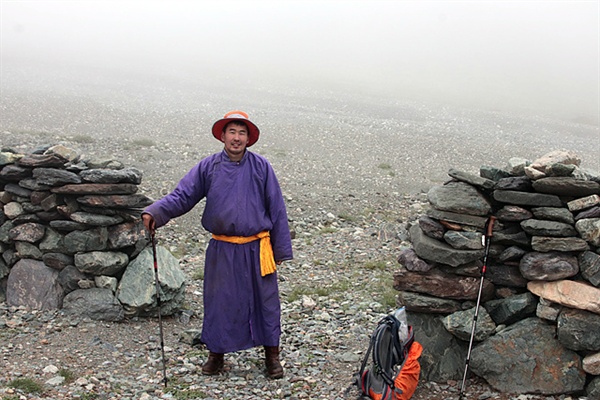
column 539, row 55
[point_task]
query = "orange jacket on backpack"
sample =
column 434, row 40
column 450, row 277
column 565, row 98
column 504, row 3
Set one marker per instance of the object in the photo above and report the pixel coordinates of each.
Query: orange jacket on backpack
column 408, row 378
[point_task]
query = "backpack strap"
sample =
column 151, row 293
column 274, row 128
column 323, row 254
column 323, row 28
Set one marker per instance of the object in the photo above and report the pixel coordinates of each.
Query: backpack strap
column 391, row 323
column 401, row 349
column 361, row 377
column 366, row 357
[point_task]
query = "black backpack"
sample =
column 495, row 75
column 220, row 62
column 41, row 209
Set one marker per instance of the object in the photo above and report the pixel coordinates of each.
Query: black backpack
column 387, row 354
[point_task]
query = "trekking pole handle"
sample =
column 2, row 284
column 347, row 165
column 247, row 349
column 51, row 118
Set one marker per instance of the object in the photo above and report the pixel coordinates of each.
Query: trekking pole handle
column 490, row 226
column 154, row 251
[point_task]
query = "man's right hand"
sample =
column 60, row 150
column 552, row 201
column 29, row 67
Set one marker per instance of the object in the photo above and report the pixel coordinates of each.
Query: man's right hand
column 149, row 223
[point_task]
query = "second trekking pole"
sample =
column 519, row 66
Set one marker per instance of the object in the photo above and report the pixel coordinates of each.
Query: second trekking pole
column 158, row 304
column 487, row 238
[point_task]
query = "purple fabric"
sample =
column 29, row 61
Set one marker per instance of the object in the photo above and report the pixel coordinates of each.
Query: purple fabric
column 241, row 308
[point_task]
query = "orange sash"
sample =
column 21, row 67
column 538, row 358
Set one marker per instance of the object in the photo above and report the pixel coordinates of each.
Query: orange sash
column 267, row 259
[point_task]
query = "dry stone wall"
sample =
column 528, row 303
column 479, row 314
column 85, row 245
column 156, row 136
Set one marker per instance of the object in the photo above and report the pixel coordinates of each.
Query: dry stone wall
column 538, row 327
column 70, row 235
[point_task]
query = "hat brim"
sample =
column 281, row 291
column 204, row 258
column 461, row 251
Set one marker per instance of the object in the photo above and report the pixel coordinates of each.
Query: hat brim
column 253, row 134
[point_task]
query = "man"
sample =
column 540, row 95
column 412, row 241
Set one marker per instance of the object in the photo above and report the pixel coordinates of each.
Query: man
column 245, row 212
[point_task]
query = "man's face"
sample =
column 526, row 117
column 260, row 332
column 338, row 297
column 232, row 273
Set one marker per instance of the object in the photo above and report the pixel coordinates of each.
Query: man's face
column 235, row 138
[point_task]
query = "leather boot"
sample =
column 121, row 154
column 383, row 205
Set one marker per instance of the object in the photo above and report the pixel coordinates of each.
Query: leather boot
column 274, row 368
column 214, row 364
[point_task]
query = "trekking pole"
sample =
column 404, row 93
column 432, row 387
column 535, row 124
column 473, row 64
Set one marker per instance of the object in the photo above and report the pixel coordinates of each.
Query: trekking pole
column 487, row 239
column 162, row 341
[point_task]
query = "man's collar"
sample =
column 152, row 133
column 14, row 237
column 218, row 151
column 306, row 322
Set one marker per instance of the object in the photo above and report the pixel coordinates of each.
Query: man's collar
column 225, row 156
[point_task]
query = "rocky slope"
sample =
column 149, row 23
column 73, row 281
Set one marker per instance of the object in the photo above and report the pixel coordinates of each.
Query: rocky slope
column 354, row 173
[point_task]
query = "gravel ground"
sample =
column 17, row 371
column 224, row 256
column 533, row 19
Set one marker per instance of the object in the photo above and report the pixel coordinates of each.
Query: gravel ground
column 354, row 172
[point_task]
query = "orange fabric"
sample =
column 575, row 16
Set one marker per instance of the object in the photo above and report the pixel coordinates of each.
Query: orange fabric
column 245, row 115
column 267, row 259
column 408, row 378
column 375, row 396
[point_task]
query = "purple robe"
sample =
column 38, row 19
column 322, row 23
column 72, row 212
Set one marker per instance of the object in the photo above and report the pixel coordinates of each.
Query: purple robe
column 241, row 308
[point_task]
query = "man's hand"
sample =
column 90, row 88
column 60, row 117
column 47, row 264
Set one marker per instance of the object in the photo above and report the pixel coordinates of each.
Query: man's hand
column 149, row 223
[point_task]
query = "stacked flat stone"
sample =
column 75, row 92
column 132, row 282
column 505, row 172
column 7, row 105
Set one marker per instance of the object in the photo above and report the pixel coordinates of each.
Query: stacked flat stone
column 68, row 224
column 539, row 328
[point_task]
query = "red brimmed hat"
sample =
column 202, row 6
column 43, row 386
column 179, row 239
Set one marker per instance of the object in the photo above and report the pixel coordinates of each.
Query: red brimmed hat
column 253, row 131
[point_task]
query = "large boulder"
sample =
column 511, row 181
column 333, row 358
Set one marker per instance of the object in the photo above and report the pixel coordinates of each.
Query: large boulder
column 566, row 186
column 97, row 263
column 460, row 324
column 572, row 323
column 459, row 197
column 552, row 266
column 589, row 264
column 512, row 309
column 137, row 288
column 574, row 294
column 94, row 303
column 589, row 229
column 593, row 389
column 436, row 251
column 33, row 284
column 443, row 356
column 527, row 358
column 441, row 284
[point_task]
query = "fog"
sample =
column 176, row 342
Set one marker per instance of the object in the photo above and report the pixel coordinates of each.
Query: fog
column 532, row 56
